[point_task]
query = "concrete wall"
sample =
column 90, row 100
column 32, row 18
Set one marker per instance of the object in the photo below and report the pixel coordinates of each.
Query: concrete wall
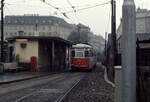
column 118, row 84
column 25, row 54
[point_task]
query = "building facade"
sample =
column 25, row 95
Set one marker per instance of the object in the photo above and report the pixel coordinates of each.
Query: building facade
column 35, row 25
column 142, row 22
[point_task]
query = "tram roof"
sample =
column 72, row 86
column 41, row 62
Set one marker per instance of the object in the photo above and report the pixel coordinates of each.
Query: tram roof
column 80, row 45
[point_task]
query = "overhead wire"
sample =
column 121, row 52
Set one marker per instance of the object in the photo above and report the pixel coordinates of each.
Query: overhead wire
column 77, row 10
column 8, row 10
column 58, row 9
column 73, row 7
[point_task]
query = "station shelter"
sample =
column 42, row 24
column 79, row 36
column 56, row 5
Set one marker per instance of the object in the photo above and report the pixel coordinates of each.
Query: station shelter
column 41, row 53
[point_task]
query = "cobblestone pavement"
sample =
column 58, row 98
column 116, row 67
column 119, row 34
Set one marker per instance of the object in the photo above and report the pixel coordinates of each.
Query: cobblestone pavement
column 44, row 89
column 92, row 88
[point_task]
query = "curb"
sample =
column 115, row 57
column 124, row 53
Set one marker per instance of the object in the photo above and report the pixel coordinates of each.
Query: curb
column 23, row 79
column 106, row 77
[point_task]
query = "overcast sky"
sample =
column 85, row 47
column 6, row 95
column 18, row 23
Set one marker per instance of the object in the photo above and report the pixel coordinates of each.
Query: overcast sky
column 98, row 18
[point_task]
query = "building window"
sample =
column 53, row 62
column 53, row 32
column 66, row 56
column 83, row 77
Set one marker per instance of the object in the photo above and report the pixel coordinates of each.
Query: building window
column 15, row 21
column 22, row 21
column 15, row 34
column 30, row 33
column 43, row 33
column 10, row 34
column 43, row 21
column 43, row 27
column 49, row 33
column 36, row 21
column 29, row 27
column 8, row 21
column 49, row 27
column 6, row 33
column 40, row 33
column 24, row 27
column 50, row 21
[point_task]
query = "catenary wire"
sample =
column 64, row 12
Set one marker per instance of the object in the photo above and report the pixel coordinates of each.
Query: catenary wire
column 77, row 10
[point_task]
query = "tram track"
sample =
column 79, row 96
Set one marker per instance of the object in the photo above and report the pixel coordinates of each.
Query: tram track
column 52, row 88
column 67, row 93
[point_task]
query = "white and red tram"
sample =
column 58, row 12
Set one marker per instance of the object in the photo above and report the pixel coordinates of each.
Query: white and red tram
column 83, row 57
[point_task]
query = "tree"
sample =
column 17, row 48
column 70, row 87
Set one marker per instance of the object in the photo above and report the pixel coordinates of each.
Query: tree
column 79, row 37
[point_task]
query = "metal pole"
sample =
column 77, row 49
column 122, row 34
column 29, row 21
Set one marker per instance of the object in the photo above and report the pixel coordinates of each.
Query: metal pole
column 2, row 31
column 113, row 36
column 129, row 51
column 105, row 44
column 53, row 55
column 112, row 30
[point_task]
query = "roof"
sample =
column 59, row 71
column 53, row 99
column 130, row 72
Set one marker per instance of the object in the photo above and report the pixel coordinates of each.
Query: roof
column 32, row 20
column 43, row 38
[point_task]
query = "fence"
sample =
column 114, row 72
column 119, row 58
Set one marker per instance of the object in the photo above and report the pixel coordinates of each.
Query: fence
column 143, row 72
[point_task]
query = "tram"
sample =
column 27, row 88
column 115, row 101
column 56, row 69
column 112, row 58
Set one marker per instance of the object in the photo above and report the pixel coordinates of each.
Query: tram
column 83, row 57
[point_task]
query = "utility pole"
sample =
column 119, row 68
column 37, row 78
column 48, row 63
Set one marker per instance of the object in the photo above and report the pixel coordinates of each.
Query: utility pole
column 113, row 34
column 2, row 31
column 129, row 51
column 105, row 44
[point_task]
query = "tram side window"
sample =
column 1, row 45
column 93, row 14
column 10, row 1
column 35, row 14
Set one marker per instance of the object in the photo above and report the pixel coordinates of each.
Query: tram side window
column 73, row 53
column 90, row 54
column 86, row 53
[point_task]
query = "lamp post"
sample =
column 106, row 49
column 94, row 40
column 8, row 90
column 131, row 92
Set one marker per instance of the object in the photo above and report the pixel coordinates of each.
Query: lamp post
column 129, row 51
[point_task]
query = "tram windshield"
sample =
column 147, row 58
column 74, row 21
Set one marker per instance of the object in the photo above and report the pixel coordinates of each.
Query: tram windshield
column 79, row 54
column 86, row 53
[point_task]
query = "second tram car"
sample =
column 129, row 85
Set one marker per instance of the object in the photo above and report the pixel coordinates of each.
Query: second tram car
column 83, row 57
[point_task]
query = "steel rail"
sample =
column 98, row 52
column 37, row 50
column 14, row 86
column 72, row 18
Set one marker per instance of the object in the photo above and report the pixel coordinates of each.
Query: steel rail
column 67, row 93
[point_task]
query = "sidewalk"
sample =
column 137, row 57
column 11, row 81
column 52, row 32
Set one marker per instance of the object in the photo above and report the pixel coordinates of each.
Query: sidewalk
column 14, row 77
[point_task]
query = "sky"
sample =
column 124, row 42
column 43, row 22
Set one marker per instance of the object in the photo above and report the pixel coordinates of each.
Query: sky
column 97, row 18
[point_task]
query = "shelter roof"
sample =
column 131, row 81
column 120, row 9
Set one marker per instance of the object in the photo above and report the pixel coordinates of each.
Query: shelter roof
column 44, row 38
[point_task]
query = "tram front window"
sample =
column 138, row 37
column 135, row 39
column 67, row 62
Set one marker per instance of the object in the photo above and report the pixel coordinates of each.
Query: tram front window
column 86, row 53
column 79, row 54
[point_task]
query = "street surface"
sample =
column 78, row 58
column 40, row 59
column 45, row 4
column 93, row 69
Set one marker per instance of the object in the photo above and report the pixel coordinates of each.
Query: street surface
column 44, row 89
